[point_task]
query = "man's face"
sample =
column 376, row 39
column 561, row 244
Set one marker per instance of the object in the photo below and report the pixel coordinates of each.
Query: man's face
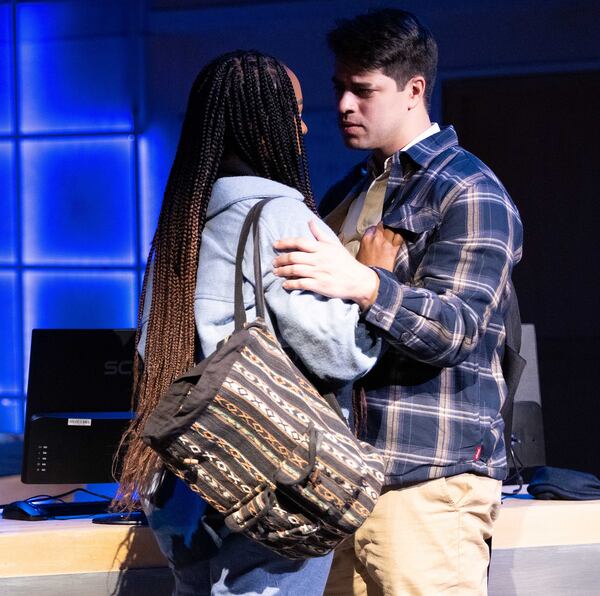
column 371, row 109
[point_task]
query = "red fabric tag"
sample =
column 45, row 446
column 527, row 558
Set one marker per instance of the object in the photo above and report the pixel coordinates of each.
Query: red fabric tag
column 478, row 452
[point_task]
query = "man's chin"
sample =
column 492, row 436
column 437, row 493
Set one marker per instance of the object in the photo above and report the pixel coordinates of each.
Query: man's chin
column 354, row 142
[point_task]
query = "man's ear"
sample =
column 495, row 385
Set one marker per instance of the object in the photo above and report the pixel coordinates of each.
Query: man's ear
column 416, row 88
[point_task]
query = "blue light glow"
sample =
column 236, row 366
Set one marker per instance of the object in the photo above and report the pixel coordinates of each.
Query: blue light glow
column 12, row 415
column 68, row 207
column 156, row 152
column 6, row 79
column 7, row 203
column 74, row 72
column 78, row 299
column 9, row 334
column 78, row 202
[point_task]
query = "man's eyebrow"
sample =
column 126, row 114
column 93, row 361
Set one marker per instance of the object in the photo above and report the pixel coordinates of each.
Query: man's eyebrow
column 361, row 84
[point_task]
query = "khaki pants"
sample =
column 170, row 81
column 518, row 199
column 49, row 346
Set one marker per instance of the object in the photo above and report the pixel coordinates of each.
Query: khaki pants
column 426, row 539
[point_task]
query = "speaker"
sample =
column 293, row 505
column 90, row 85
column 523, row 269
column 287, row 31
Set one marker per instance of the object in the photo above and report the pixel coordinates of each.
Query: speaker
column 527, row 424
column 78, row 404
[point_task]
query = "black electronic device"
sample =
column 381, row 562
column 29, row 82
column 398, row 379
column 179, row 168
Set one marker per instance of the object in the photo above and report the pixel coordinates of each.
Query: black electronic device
column 527, row 432
column 78, row 404
column 38, row 510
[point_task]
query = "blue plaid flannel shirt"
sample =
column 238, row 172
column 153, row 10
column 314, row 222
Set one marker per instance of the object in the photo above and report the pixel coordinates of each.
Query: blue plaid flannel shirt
column 433, row 400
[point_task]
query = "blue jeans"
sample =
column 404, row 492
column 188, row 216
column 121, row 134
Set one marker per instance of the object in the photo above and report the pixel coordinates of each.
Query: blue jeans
column 205, row 562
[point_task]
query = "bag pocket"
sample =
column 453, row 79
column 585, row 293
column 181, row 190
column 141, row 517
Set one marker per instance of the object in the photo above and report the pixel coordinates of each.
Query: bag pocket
column 291, row 533
column 345, row 489
column 248, row 512
column 267, row 520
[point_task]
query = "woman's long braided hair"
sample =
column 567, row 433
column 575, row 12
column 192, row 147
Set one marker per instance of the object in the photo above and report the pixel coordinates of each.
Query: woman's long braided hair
column 242, row 103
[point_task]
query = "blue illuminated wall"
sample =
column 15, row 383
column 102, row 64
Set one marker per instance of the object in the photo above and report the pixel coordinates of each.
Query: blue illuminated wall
column 70, row 215
column 92, row 95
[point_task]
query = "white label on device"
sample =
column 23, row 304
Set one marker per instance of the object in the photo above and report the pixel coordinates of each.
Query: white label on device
column 80, row 422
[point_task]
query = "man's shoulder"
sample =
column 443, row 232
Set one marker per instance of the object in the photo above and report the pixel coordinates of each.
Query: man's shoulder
column 464, row 168
column 456, row 172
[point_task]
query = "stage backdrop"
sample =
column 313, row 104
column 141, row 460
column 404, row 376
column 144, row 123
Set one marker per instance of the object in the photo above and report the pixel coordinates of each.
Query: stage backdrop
column 92, row 95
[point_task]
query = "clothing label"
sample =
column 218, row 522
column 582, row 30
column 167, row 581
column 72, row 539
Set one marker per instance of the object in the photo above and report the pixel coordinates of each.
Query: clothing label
column 80, row 422
column 478, row 452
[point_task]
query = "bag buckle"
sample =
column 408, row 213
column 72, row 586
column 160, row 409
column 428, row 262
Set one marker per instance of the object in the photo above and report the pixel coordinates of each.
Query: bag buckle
column 249, row 510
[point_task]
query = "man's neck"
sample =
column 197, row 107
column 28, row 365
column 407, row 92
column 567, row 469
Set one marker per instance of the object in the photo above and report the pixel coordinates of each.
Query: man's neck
column 411, row 131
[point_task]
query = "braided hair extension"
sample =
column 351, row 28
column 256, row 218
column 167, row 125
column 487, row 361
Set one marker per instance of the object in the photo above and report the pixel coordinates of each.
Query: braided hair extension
column 241, row 103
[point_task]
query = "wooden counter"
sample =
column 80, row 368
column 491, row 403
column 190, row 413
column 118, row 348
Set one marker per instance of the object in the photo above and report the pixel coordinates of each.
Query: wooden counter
column 526, row 522
column 76, row 557
column 545, row 548
column 74, row 546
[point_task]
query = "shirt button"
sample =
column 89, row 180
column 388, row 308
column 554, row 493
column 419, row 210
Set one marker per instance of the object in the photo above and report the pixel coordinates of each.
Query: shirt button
column 405, row 337
column 379, row 316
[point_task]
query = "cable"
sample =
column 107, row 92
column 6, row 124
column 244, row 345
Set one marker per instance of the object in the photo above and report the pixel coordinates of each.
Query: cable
column 40, row 498
column 38, row 501
column 518, row 467
column 43, row 503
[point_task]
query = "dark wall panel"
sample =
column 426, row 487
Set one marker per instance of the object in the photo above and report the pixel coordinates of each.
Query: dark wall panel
column 539, row 134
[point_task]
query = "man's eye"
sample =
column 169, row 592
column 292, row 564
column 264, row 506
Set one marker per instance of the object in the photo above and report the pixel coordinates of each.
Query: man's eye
column 364, row 92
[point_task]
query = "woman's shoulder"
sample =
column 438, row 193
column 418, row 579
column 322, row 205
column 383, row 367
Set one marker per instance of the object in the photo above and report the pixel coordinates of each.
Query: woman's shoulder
column 286, row 204
column 285, row 216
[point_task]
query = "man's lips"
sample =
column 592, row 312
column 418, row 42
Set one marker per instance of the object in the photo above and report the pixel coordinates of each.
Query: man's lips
column 350, row 127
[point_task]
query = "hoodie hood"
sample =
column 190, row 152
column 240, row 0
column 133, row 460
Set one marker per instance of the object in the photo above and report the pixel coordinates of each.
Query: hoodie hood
column 232, row 189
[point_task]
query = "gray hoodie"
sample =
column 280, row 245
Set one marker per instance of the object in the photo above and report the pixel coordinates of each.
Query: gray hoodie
column 324, row 333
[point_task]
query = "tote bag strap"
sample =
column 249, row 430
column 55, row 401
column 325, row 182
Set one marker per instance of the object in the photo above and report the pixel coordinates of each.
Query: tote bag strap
column 239, row 311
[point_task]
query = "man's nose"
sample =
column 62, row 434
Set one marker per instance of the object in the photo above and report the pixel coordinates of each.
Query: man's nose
column 346, row 103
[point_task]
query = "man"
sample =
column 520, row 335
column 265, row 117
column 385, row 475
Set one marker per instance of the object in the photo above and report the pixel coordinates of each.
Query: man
column 432, row 403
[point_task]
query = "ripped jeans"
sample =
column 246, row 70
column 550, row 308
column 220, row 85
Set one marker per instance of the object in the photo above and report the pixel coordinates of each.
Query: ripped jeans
column 207, row 560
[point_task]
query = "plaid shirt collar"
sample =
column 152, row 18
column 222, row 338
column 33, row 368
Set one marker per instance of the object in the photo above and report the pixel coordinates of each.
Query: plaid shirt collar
column 424, row 152
column 421, row 154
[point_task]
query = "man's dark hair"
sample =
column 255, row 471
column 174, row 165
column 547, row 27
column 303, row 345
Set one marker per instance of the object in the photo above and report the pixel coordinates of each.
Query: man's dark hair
column 389, row 39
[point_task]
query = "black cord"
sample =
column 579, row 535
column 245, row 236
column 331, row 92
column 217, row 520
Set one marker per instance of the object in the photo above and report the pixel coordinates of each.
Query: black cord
column 41, row 498
column 134, row 518
column 518, row 467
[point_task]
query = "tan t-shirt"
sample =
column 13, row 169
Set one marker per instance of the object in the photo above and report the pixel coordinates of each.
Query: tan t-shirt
column 363, row 206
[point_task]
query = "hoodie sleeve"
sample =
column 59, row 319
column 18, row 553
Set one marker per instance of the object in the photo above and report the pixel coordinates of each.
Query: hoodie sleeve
column 326, row 334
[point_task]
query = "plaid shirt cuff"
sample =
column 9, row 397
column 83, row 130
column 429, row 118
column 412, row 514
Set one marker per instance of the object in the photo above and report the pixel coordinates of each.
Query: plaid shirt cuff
column 389, row 299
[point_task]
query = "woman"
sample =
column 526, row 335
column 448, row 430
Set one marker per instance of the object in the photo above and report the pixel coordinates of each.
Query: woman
column 241, row 141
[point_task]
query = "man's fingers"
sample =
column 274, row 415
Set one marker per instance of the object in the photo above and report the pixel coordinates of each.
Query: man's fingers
column 302, row 284
column 371, row 232
column 318, row 233
column 293, row 258
column 389, row 235
column 392, row 237
column 291, row 271
column 379, row 232
column 302, row 244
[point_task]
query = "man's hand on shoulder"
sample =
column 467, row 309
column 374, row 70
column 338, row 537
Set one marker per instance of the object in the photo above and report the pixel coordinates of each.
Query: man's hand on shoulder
column 322, row 265
column 379, row 247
